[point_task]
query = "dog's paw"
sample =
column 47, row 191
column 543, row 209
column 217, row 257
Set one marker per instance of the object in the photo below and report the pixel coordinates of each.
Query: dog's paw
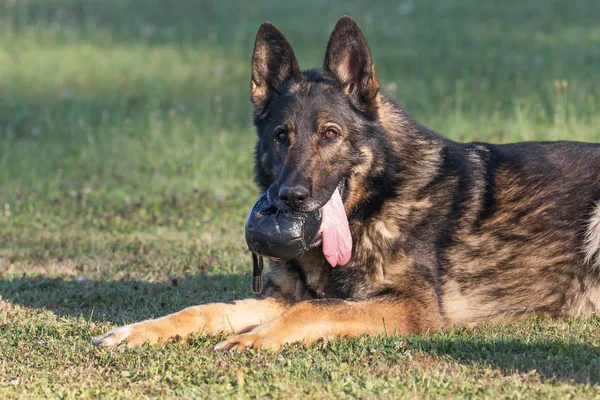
column 113, row 337
column 270, row 336
column 132, row 335
column 256, row 341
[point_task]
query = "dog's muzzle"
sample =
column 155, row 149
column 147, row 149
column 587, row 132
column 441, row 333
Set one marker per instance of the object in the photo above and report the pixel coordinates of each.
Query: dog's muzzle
column 278, row 235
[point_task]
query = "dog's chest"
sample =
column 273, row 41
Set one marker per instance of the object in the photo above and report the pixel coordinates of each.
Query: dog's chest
column 373, row 268
column 359, row 278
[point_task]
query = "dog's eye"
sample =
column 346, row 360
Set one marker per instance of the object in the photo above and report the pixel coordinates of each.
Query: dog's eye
column 282, row 136
column 331, row 133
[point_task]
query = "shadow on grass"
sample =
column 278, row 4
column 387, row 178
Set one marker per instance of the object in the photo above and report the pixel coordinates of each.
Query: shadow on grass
column 551, row 360
column 126, row 301
column 122, row 301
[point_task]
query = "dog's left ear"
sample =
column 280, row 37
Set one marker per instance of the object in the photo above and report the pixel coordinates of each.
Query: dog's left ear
column 348, row 59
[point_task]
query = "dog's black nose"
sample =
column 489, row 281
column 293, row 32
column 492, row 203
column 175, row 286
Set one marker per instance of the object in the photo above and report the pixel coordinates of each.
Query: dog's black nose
column 293, row 196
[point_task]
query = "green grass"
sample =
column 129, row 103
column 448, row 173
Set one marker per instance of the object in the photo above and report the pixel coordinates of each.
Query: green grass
column 126, row 175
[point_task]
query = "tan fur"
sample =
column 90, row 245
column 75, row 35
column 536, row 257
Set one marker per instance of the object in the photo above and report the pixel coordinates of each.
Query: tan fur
column 388, row 116
column 258, row 93
column 310, row 321
column 592, row 239
column 356, row 187
column 213, row 318
column 584, row 299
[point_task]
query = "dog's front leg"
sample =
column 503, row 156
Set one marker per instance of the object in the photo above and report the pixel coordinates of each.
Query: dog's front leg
column 238, row 316
column 312, row 320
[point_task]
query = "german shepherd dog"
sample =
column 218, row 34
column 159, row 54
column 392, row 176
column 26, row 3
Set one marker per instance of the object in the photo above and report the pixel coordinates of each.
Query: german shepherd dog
column 441, row 234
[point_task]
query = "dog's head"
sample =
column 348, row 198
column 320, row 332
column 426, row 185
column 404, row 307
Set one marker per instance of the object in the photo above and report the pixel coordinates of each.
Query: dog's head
column 315, row 128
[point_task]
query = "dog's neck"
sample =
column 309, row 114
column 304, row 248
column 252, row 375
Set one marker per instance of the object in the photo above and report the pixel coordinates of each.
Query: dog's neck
column 399, row 173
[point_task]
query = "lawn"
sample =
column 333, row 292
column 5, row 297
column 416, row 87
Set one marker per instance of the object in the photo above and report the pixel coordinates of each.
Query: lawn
column 126, row 175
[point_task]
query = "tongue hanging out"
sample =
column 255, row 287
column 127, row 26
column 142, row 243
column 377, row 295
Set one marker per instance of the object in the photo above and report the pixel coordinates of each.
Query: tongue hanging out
column 337, row 240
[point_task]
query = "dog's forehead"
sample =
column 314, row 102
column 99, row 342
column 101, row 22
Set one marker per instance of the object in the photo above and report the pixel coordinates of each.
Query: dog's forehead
column 310, row 88
column 313, row 99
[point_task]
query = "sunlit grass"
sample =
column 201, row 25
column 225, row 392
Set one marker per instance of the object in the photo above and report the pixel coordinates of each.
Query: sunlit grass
column 126, row 152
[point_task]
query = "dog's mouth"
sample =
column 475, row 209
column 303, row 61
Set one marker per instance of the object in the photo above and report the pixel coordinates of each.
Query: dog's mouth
column 286, row 235
column 282, row 235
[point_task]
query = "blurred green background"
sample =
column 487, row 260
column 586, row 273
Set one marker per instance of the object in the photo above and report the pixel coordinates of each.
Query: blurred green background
column 126, row 98
column 126, row 175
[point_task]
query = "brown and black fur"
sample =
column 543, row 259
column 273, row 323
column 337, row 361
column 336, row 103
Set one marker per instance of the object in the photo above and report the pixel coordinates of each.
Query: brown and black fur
column 444, row 233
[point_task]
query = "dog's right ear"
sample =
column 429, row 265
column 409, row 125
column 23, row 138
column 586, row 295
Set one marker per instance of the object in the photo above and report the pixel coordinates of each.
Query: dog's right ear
column 273, row 65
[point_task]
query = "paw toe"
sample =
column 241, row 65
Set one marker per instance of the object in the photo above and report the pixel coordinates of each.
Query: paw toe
column 227, row 344
column 113, row 337
column 248, row 340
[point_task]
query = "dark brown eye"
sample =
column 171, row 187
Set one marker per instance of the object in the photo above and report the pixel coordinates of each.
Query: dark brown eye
column 331, row 133
column 282, row 136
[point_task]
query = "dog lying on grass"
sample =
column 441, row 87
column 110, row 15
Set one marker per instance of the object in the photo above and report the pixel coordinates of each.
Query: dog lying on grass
column 419, row 233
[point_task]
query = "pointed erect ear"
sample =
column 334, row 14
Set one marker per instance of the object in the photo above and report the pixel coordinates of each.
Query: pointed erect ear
column 348, row 59
column 273, row 64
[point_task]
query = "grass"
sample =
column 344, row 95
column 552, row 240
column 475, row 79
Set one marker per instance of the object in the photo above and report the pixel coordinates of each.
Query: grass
column 125, row 178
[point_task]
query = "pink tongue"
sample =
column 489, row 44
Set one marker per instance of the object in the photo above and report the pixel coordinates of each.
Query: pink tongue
column 337, row 241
